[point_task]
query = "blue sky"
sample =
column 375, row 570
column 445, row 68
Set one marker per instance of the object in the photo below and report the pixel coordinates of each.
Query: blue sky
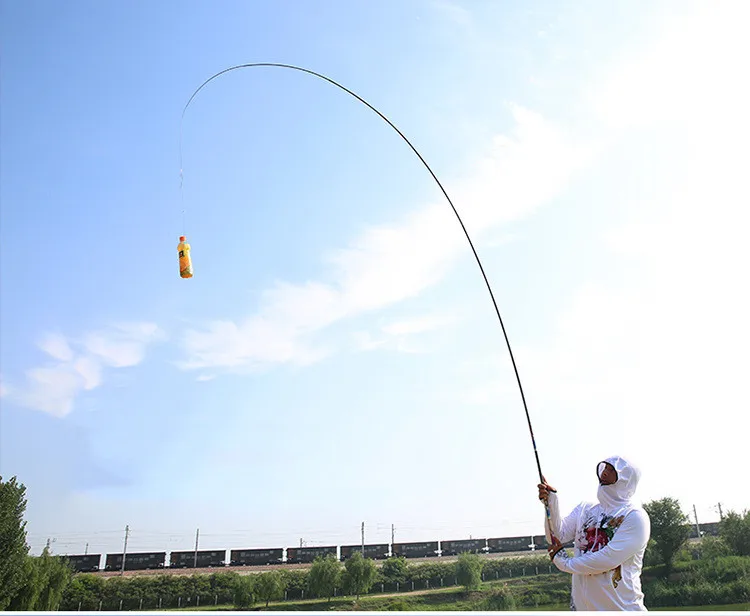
column 336, row 357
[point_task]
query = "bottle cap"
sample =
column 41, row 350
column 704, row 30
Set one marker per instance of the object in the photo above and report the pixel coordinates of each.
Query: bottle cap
column 182, row 238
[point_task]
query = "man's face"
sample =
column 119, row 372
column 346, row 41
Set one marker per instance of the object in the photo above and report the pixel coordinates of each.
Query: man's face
column 607, row 474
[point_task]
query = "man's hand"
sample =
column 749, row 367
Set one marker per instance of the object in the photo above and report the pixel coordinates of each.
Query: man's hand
column 544, row 490
column 554, row 547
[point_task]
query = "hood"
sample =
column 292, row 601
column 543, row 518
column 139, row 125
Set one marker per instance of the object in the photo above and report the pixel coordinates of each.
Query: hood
column 619, row 494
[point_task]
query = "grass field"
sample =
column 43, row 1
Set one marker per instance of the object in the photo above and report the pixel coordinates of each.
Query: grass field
column 453, row 599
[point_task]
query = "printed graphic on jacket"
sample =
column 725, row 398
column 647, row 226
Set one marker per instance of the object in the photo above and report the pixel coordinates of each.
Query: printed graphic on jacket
column 595, row 534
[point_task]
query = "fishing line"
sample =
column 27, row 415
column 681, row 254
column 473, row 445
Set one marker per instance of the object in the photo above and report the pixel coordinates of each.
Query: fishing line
column 434, row 177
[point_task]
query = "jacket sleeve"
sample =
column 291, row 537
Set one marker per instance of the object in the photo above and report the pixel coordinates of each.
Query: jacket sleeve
column 564, row 529
column 628, row 540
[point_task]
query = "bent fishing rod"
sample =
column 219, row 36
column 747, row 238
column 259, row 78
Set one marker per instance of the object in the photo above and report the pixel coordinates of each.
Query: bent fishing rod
column 434, row 177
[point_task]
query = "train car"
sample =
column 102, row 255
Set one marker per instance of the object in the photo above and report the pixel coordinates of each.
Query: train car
column 84, row 563
column 709, row 528
column 459, row 546
column 136, row 561
column 420, row 549
column 256, row 556
column 206, row 558
column 376, row 551
column 540, row 543
column 308, row 555
column 510, row 544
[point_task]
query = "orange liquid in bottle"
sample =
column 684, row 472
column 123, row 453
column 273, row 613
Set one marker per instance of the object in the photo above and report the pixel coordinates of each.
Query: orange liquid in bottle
column 186, row 263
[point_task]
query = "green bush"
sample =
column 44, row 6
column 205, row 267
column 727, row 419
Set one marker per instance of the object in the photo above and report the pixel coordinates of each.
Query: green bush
column 714, row 547
column 724, row 569
column 734, row 529
column 501, row 599
column 715, row 581
column 535, row 599
column 469, row 571
column 295, row 580
column 738, row 591
column 428, row 571
column 536, row 596
column 244, row 591
column 496, row 568
column 706, row 593
column 394, row 570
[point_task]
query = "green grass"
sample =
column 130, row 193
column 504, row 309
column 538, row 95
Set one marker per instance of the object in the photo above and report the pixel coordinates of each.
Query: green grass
column 421, row 603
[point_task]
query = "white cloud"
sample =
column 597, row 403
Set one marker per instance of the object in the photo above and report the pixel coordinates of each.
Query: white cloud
column 53, row 389
column 402, row 336
column 653, row 360
column 391, row 263
column 4, row 389
column 90, row 371
column 56, row 346
column 206, row 377
column 415, row 326
column 122, row 345
column 680, row 75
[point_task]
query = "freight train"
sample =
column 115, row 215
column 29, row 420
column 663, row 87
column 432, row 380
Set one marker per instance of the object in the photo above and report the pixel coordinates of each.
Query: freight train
column 279, row 556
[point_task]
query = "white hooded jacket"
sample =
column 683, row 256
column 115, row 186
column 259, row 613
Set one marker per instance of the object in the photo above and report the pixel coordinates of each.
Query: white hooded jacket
column 609, row 540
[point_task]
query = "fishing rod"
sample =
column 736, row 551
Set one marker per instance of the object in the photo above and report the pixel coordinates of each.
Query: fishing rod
column 434, row 177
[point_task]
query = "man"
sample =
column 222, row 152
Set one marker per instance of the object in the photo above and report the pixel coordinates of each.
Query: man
column 609, row 538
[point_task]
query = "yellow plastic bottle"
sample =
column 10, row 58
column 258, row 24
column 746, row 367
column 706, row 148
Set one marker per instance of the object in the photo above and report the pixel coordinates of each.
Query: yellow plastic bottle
column 186, row 263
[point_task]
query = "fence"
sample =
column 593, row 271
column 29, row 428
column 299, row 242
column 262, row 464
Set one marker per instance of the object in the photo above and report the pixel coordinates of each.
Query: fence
column 149, row 603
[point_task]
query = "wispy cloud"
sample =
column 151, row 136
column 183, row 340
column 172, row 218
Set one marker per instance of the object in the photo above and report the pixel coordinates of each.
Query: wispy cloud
column 402, row 336
column 4, row 389
column 415, row 326
column 388, row 264
column 54, row 388
column 56, row 346
column 122, row 345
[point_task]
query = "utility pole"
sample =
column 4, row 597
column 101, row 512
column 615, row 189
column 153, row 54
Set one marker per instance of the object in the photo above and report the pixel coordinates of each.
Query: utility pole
column 393, row 535
column 86, row 551
column 195, row 559
column 721, row 514
column 300, row 542
column 124, row 550
column 363, row 539
column 697, row 528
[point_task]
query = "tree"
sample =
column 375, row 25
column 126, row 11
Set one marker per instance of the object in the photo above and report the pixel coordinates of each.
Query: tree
column 359, row 574
column 222, row 585
column 734, row 529
column 45, row 579
column 669, row 528
column 324, row 576
column 244, row 591
column 86, row 589
column 269, row 585
column 469, row 571
column 394, row 570
column 14, row 550
column 55, row 574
